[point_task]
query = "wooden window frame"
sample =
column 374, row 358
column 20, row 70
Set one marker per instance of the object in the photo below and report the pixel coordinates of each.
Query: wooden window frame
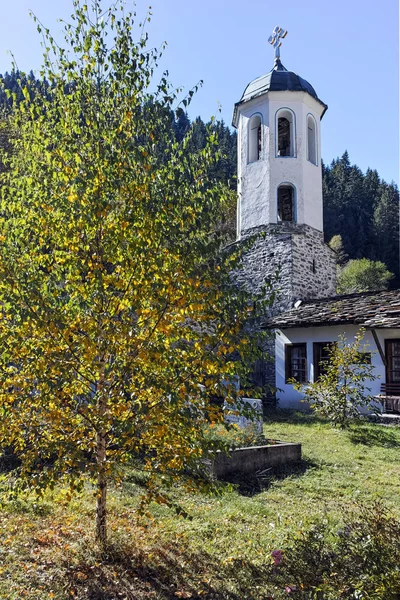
column 316, row 359
column 388, row 370
column 289, row 365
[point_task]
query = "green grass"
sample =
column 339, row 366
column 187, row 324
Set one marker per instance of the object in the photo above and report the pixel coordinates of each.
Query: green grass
column 222, row 550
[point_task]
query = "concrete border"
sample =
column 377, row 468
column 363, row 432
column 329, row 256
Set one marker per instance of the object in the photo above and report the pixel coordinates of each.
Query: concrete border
column 246, row 461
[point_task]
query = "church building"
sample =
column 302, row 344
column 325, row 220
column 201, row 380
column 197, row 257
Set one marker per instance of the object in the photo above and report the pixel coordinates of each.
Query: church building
column 278, row 120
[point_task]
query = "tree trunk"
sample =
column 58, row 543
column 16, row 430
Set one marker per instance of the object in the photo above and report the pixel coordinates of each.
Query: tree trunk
column 344, row 415
column 101, row 503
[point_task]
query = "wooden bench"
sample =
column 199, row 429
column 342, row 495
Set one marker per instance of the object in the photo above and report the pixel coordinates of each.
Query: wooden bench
column 390, row 397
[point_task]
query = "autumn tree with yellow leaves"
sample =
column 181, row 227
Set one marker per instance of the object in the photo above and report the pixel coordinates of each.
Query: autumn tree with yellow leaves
column 119, row 317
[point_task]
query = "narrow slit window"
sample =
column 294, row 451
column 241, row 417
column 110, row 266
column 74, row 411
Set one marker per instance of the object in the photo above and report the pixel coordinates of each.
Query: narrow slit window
column 286, row 213
column 311, row 140
column 255, row 139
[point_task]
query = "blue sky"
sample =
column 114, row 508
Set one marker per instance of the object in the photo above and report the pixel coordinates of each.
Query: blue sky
column 347, row 49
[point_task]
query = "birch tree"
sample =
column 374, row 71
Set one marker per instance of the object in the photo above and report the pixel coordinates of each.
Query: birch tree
column 120, row 320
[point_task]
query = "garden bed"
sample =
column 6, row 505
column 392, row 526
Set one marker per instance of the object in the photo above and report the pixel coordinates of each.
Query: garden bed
column 251, row 460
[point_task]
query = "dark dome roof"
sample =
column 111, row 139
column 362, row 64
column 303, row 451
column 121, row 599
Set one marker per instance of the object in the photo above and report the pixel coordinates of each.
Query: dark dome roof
column 277, row 80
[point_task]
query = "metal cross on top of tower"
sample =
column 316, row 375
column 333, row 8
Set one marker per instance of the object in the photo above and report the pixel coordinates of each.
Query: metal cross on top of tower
column 276, row 40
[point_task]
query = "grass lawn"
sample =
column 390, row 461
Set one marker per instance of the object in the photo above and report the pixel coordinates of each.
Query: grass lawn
column 222, row 550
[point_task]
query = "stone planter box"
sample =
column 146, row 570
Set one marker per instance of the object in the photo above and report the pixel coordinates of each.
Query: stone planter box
column 247, row 461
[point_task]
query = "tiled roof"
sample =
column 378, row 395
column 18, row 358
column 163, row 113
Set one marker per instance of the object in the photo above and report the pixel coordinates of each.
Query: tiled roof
column 369, row 309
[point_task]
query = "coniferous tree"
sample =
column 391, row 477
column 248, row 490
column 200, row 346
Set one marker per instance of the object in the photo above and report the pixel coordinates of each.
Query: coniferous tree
column 181, row 125
column 12, row 84
column 386, row 227
column 364, row 211
column 371, row 186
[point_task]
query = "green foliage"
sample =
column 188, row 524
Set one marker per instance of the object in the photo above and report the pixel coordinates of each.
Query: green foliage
column 233, row 437
column 336, row 244
column 364, row 211
column 363, row 275
column 386, row 227
column 341, row 391
column 119, row 316
column 358, row 561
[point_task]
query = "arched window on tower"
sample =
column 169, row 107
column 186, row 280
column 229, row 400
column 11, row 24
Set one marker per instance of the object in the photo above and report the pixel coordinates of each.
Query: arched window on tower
column 286, row 204
column 255, row 138
column 311, row 140
column 285, row 133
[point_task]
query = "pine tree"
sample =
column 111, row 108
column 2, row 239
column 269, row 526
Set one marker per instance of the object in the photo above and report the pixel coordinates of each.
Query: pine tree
column 386, row 228
column 371, row 187
column 181, row 125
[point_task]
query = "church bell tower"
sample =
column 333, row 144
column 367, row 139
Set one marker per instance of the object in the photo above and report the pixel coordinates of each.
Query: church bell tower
column 278, row 120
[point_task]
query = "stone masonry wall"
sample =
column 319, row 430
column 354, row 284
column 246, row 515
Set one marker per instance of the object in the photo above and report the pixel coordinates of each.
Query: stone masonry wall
column 298, row 266
column 294, row 259
column 314, row 265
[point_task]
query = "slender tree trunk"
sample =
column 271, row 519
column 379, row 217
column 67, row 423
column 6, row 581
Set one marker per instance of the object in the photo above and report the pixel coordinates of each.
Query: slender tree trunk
column 101, row 455
column 101, row 503
column 344, row 416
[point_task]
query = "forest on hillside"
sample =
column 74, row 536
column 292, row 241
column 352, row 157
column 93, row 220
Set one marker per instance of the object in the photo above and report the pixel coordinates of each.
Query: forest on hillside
column 360, row 207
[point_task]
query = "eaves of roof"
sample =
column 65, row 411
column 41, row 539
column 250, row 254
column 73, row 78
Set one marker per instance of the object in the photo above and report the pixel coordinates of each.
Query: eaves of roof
column 368, row 309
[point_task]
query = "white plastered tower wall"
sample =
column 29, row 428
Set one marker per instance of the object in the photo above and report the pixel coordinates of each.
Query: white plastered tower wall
column 258, row 181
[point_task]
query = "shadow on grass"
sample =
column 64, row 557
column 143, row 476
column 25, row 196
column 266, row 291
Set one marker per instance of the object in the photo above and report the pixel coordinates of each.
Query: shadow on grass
column 372, row 435
column 251, row 485
column 167, row 573
column 292, row 416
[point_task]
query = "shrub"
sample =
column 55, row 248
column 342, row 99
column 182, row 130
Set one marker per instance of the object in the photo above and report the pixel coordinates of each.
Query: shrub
column 360, row 561
column 342, row 389
column 233, row 436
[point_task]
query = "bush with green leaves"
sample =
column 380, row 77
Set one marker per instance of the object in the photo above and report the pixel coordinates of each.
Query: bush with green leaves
column 363, row 275
column 341, row 391
column 360, row 561
column 224, row 436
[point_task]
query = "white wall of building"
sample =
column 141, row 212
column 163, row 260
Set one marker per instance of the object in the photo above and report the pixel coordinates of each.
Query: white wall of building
column 288, row 397
column 258, row 181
